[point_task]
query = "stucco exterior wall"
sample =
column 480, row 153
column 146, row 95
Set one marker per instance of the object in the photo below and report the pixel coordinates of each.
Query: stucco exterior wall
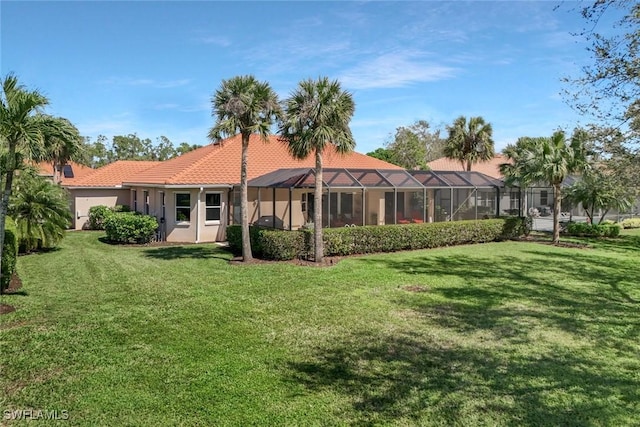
column 83, row 199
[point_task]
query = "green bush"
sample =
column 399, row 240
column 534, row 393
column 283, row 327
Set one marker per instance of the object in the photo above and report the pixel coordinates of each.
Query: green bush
column 630, row 223
column 130, row 227
column 9, row 253
column 390, row 238
column 234, row 238
column 97, row 216
column 284, row 245
column 280, row 245
column 593, row 230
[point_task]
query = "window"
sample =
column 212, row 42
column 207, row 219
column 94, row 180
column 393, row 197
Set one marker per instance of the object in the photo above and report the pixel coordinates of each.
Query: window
column 164, row 214
column 135, row 201
column 213, row 205
column 544, row 197
column 183, row 207
column 146, row 202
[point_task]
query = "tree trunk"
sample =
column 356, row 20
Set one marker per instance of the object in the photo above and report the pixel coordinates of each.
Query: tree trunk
column 247, row 255
column 317, row 213
column 556, row 213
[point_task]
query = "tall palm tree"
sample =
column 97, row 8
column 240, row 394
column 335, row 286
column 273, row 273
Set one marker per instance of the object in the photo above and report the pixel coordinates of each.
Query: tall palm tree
column 62, row 142
column 317, row 115
column 244, row 105
column 548, row 160
column 21, row 135
column 40, row 209
column 469, row 142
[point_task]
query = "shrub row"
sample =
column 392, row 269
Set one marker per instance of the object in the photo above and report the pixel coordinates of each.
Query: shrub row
column 593, row 230
column 130, row 227
column 97, row 215
column 9, row 253
column 285, row 245
column 630, row 223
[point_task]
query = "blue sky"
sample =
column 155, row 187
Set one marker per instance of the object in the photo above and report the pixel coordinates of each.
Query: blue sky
column 150, row 67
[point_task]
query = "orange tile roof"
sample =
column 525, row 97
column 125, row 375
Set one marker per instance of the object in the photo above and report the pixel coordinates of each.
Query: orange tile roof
column 490, row 168
column 111, row 175
column 79, row 171
column 220, row 163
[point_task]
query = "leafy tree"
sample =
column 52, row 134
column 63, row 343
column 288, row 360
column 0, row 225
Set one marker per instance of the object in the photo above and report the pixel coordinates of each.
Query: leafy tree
column 164, row 150
column 599, row 190
column 21, row 135
column 97, row 153
column 247, row 106
column 317, row 115
column 383, row 154
column 412, row 146
column 40, row 210
column 546, row 160
column 609, row 88
column 185, row 147
column 131, row 147
column 469, row 142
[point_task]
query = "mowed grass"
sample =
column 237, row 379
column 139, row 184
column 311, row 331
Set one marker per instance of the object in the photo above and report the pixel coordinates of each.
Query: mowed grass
column 508, row 333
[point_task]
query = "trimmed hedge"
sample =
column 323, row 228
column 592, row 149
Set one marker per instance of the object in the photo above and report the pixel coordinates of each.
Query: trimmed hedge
column 286, row 245
column 9, row 253
column 97, row 215
column 630, row 223
column 593, row 230
column 130, row 227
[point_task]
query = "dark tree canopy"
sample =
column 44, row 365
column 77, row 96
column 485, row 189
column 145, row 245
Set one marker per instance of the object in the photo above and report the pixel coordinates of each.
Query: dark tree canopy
column 131, row 147
column 608, row 88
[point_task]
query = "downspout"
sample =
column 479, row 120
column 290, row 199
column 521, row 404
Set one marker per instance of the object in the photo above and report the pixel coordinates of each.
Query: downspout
column 198, row 215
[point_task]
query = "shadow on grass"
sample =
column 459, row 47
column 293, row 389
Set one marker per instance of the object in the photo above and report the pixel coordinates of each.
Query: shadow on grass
column 189, row 251
column 422, row 381
column 548, row 337
column 600, row 295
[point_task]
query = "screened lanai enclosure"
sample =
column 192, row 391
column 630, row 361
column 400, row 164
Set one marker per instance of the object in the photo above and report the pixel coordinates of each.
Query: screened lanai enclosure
column 284, row 198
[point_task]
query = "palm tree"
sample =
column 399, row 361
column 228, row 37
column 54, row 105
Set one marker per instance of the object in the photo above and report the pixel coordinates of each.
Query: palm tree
column 469, row 142
column 244, row 105
column 317, row 115
column 62, row 142
column 40, row 210
column 548, row 160
column 21, row 135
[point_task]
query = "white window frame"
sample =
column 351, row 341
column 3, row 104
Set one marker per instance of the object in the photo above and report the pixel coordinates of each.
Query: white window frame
column 207, row 207
column 176, row 207
column 135, row 200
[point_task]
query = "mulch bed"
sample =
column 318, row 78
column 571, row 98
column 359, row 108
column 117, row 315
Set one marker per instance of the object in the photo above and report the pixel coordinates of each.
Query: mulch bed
column 326, row 262
column 561, row 244
column 13, row 288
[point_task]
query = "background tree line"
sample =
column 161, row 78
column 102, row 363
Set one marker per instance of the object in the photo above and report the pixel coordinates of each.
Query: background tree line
column 129, row 147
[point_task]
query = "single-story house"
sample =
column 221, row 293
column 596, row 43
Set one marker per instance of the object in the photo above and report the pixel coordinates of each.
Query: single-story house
column 102, row 187
column 196, row 195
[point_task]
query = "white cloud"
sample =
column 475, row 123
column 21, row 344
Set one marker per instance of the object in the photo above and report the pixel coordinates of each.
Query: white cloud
column 214, row 40
column 393, row 70
column 128, row 81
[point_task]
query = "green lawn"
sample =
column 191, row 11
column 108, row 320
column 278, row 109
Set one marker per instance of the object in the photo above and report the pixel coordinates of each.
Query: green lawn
column 506, row 333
